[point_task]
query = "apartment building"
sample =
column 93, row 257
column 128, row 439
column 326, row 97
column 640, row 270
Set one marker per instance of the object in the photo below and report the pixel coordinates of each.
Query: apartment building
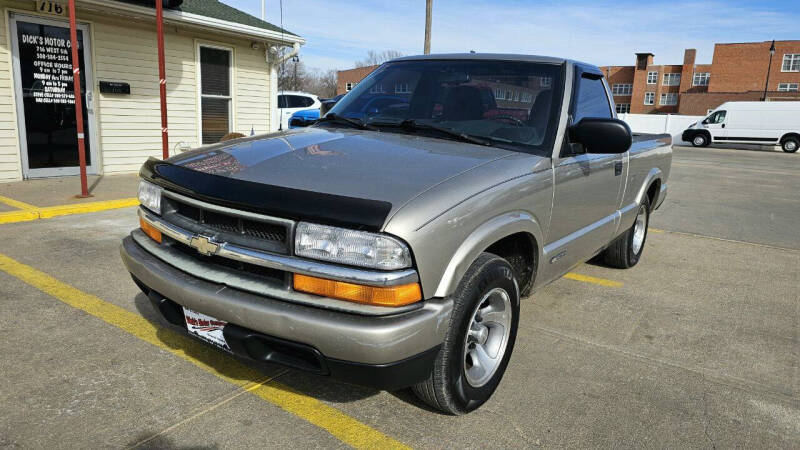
column 738, row 72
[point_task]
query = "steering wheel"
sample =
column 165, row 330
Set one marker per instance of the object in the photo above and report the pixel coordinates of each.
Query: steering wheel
column 511, row 119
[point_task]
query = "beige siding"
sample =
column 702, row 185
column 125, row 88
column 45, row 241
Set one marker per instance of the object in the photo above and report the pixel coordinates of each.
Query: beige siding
column 10, row 167
column 128, row 127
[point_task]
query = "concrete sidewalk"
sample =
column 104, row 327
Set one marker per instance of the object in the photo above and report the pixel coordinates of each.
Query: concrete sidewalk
column 45, row 192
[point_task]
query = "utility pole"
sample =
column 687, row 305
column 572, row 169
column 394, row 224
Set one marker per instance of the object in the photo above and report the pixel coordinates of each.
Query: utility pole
column 428, row 18
column 263, row 9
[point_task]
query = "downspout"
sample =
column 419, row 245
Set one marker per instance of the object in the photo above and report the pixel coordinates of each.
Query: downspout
column 273, row 61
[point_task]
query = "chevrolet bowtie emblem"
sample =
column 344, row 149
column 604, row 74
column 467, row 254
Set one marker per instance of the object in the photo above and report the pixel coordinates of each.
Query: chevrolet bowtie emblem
column 204, row 245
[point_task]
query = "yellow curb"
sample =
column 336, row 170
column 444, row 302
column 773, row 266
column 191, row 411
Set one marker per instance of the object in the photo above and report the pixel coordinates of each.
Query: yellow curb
column 593, row 280
column 64, row 210
column 16, row 203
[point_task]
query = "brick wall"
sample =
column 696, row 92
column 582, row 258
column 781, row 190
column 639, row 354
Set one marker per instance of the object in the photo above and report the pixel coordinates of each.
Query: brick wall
column 738, row 72
column 351, row 76
column 743, row 67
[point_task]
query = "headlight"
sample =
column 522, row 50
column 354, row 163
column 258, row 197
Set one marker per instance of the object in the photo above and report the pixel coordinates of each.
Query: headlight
column 356, row 248
column 150, row 196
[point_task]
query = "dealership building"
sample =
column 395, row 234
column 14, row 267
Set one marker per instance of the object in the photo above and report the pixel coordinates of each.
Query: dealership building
column 738, row 72
column 220, row 78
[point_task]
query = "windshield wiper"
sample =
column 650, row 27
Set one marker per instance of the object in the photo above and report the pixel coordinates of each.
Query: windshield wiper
column 412, row 124
column 355, row 123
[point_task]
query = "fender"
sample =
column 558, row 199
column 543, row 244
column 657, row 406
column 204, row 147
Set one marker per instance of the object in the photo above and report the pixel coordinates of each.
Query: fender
column 653, row 175
column 482, row 237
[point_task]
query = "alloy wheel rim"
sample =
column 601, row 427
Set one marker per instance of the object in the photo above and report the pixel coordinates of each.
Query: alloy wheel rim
column 639, row 230
column 487, row 337
column 699, row 140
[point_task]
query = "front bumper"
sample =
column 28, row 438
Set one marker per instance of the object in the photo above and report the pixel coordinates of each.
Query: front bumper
column 340, row 336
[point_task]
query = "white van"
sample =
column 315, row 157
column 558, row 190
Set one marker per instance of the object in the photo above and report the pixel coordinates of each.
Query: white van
column 763, row 123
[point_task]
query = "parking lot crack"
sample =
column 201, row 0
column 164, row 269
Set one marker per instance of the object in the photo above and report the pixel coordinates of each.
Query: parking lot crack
column 224, row 400
column 707, row 418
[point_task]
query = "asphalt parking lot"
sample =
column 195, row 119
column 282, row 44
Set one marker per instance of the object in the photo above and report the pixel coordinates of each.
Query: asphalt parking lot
column 696, row 347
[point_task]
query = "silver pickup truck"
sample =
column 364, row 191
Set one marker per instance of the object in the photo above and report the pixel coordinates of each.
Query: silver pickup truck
column 390, row 243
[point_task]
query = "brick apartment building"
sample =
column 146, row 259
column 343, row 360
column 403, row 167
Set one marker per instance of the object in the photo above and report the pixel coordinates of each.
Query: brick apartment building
column 737, row 72
column 347, row 79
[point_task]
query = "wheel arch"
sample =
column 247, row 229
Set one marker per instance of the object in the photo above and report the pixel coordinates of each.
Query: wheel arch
column 651, row 186
column 504, row 234
column 788, row 135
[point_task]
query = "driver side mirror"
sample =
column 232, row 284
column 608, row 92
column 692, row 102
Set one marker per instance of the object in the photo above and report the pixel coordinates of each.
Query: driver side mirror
column 326, row 106
column 599, row 135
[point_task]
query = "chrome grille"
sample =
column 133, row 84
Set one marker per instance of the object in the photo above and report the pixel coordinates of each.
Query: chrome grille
column 227, row 225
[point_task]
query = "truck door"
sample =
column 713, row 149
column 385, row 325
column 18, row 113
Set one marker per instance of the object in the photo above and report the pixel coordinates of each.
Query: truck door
column 587, row 186
column 715, row 124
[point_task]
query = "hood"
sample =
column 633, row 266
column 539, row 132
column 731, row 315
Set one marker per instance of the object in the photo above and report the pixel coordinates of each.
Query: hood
column 383, row 167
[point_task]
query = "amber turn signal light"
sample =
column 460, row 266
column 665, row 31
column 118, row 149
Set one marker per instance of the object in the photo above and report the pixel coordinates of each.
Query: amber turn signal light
column 150, row 230
column 371, row 295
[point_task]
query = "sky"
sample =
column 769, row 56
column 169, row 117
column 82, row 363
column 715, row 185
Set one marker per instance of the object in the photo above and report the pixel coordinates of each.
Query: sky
column 340, row 32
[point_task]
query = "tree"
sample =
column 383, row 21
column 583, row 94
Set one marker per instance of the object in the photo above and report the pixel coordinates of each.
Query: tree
column 375, row 58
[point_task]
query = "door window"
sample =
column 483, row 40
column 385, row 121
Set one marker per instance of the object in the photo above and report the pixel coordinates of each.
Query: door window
column 717, row 117
column 215, row 93
column 298, row 101
column 48, row 95
column 592, row 99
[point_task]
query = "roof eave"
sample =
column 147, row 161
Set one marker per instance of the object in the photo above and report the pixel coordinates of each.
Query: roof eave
column 198, row 21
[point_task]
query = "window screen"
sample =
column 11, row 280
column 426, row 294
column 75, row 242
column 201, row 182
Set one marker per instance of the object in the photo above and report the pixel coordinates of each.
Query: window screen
column 215, row 92
column 592, row 99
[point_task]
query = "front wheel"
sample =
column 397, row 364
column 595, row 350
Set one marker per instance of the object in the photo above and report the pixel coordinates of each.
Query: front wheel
column 479, row 341
column 626, row 250
column 700, row 140
column 790, row 145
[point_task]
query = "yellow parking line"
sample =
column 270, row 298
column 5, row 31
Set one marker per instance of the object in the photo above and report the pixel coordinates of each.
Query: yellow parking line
column 16, row 203
column 80, row 208
column 343, row 427
column 654, row 230
column 593, row 280
column 63, row 210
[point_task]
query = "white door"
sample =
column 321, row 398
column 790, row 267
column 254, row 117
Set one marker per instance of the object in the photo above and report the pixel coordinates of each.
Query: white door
column 715, row 124
column 42, row 59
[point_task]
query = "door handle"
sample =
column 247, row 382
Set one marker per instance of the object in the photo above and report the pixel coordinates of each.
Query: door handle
column 618, row 168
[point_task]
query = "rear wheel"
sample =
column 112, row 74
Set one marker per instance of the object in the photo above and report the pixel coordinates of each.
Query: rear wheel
column 700, row 140
column 626, row 250
column 790, row 144
column 479, row 341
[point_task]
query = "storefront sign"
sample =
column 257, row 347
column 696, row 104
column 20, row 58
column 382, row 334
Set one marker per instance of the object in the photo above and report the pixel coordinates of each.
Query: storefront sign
column 115, row 87
column 51, row 7
column 51, row 68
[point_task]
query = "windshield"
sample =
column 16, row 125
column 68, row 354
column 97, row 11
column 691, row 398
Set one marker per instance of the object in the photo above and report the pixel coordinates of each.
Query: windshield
column 502, row 102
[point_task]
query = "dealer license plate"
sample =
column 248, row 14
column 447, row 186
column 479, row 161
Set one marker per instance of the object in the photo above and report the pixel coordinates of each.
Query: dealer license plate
column 206, row 328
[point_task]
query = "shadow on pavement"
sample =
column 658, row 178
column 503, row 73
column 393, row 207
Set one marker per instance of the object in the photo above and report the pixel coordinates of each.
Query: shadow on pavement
column 319, row 387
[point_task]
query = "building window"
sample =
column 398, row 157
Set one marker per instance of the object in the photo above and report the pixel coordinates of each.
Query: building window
column 526, row 97
column 649, row 98
column 215, row 93
column 791, row 62
column 545, row 82
column 700, row 79
column 787, row 87
column 672, row 79
column 349, row 86
column 652, row 77
column 623, row 108
column 401, row 88
column 622, row 89
column 669, row 99
column 377, row 89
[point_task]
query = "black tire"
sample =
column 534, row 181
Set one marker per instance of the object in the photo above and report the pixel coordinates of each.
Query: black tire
column 700, row 140
column 790, row 144
column 621, row 253
column 447, row 387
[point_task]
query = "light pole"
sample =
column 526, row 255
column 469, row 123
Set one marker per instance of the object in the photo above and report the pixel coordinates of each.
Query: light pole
column 769, row 67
